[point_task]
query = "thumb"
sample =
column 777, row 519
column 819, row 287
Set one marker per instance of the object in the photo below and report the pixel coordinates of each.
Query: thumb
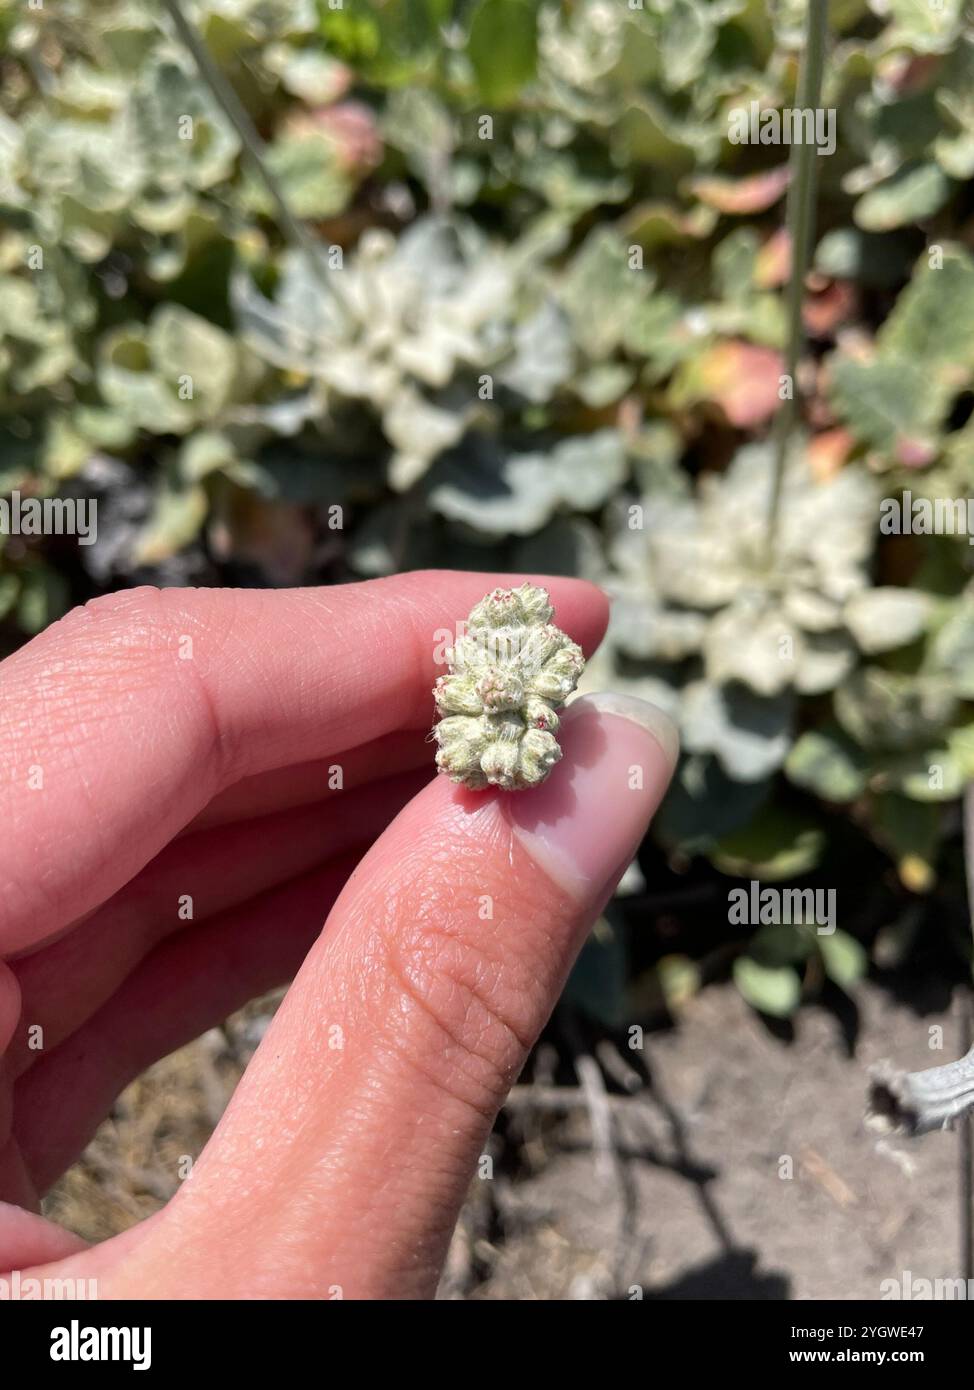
column 347, row 1150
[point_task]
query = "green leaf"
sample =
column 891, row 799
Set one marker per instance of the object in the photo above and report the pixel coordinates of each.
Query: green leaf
column 952, row 649
column 295, row 330
column 543, row 356
column 207, row 451
column 910, row 830
column 392, row 43
column 515, row 494
column 9, row 591
column 889, row 402
column 915, row 192
column 930, row 323
column 686, row 41
column 589, row 468
column 780, row 944
column 193, row 354
column 745, row 643
column 177, row 515
column 703, row 804
column 181, row 370
column 734, row 264
column 932, row 774
column 679, row 979
column 386, row 542
column 310, row 176
column 648, row 133
column 655, row 329
column 960, row 743
column 419, row 429
column 503, row 48
column 920, row 26
column 773, row 990
column 844, row 958
column 128, row 382
column 846, row 253
column 823, row 659
column 44, row 597
column 313, row 76
column 749, row 734
column 498, row 495
column 778, row 844
column 890, row 710
column 602, row 385
column 568, row 545
column 179, row 129
column 601, row 291
column 954, row 148
column 827, row 763
column 883, row 618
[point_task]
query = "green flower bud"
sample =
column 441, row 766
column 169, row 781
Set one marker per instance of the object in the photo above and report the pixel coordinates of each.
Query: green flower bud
column 508, row 675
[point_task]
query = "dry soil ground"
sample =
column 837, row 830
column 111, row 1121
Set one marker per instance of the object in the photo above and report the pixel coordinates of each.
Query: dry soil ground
column 742, row 1169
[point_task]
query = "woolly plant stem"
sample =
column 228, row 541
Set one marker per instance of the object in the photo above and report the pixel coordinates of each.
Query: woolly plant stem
column 254, row 146
column 916, row 1102
column 966, row 1155
column 800, row 218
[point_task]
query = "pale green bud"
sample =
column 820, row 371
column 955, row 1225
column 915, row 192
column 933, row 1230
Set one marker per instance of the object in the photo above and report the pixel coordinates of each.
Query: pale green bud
column 508, row 675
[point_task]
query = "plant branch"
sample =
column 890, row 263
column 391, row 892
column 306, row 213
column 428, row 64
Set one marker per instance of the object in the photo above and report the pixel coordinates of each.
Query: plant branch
column 917, row 1102
column 254, row 146
column 800, row 217
column 968, row 809
column 966, row 1160
column 966, row 1156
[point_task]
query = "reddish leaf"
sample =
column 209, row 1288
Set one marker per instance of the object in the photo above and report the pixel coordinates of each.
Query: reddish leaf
column 828, row 451
column 740, row 196
column 773, row 264
column 739, row 377
column 825, row 311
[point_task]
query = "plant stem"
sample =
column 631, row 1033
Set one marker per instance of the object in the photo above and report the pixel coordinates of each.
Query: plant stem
column 966, row 1160
column 800, row 218
column 967, row 1007
column 917, row 1102
column 254, row 146
column 968, row 818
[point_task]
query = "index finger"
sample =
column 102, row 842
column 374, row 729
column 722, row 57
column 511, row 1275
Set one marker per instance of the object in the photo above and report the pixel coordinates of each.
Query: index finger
column 119, row 723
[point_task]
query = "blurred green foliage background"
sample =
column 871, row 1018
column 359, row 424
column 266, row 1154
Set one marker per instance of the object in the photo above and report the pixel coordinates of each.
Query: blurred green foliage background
column 544, row 331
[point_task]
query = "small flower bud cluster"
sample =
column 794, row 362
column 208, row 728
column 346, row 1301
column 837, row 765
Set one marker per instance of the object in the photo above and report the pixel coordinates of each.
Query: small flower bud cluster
column 509, row 674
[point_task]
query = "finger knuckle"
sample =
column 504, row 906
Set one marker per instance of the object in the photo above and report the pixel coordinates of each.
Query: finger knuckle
column 110, row 621
column 454, row 1011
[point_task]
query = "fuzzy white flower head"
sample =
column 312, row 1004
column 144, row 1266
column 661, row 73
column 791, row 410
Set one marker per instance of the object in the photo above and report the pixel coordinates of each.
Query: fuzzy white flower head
column 509, row 674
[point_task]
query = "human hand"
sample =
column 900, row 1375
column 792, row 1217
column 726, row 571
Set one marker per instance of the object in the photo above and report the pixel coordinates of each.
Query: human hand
column 179, row 747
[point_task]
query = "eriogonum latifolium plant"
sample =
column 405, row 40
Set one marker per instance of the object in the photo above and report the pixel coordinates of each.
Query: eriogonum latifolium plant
column 699, row 586
column 509, row 674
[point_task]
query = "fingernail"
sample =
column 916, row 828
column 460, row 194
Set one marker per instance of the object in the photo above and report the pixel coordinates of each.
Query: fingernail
column 583, row 825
